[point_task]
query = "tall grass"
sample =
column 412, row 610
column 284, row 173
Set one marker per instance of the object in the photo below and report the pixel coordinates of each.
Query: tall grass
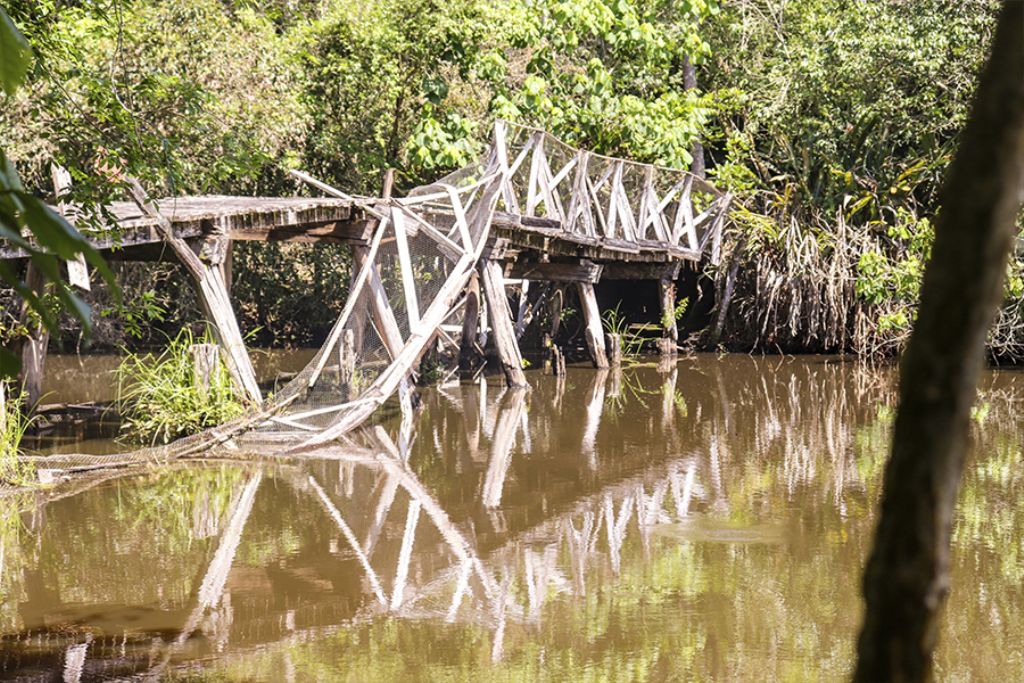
column 13, row 425
column 161, row 398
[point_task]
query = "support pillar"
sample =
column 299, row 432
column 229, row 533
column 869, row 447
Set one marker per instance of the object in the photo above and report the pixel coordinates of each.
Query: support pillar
column 500, row 314
column 33, row 348
column 469, row 352
column 212, row 292
column 592, row 318
column 669, row 329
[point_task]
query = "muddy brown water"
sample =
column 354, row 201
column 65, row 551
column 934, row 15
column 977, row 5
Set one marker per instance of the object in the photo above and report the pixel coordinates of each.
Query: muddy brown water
column 700, row 521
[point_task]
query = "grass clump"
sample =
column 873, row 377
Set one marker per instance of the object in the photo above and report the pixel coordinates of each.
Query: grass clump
column 163, row 397
column 14, row 423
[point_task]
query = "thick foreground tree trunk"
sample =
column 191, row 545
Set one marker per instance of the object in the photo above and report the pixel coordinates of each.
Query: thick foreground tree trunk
column 906, row 579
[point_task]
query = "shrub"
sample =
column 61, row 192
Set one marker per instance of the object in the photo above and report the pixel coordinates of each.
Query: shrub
column 161, row 398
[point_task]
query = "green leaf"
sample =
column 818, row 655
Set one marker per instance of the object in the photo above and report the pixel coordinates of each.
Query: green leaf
column 15, row 55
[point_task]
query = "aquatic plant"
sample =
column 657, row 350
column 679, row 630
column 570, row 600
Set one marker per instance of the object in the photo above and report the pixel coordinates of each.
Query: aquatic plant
column 164, row 397
column 13, row 424
column 630, row 339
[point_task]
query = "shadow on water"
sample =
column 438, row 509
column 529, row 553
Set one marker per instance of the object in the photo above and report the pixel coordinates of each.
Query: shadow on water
column 705, row 520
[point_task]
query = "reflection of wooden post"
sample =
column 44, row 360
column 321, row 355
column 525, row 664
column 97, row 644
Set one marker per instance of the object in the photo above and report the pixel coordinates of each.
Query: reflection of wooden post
column 500, row 314
column 592, row 317
column 595, row 407
column 509, row 415
column 669, row 329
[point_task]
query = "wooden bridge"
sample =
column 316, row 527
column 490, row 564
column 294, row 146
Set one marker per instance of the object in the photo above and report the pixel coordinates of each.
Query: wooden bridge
column 533, row 210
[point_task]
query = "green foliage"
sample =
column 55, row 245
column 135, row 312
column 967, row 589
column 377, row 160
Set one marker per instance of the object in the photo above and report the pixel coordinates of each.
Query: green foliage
column 669, row 318
column 139, row 313
column 631, row 340
column 162, row 398
column 22, row 214
column 13, row 425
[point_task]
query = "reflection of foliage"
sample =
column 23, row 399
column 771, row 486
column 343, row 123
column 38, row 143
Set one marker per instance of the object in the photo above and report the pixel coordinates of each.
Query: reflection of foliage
column 162, row 398
column 185, row 505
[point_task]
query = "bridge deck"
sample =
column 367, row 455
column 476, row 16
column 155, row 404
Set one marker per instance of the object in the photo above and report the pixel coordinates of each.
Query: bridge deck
column 339, row 221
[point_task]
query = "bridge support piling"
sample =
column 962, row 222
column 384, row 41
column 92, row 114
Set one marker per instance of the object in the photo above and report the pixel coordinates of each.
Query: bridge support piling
column 213, row 294
column 469, row 351
column 33, row 348
column 669, row 329
column 592, row 318
column 500, row 315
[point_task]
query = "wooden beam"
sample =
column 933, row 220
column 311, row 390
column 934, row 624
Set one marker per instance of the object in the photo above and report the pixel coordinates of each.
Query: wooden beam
column 592, row 317
column 569, row 271
column 469, row 350
column 212, row 294
column 500, row 316
column 618, row 270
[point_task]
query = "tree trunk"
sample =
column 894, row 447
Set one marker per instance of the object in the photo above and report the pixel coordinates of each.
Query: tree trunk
column 906, row 579
column 690, row 83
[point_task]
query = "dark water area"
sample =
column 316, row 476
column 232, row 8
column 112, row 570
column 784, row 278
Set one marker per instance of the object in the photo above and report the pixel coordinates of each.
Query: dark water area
column 699, row 521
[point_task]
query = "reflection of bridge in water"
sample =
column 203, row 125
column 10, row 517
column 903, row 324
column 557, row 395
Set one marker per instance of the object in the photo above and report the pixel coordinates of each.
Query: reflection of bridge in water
column 643, row 461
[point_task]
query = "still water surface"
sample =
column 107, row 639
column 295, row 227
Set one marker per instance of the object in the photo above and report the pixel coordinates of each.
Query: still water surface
column 703, row 521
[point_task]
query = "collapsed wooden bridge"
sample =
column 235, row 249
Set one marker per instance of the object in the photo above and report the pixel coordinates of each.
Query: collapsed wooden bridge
column 531, row 213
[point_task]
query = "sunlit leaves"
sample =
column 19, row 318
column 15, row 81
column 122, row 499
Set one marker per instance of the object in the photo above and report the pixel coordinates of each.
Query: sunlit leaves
column 15, row 55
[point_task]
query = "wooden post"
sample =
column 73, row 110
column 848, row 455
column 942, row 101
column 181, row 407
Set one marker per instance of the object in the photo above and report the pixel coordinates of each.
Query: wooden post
column 469, row 352
column 614, row 350
column 212, row 293
column 592, row 317
column 346, row 363
column 500, row 314
column 33, row 348
column 205, row 358
column 669, row 330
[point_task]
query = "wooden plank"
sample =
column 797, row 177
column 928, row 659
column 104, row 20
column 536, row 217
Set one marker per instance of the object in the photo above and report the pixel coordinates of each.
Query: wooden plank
column 533, row 195
column 500, row 316
column 412, row 304
column 618, row 270
column 612, row 215
column 569, row 271
column 592, row 317
column 469, row 352
column 213, row 297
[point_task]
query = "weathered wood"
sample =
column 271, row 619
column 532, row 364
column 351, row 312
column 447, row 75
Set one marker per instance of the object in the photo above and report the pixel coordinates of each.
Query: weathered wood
column 205, row 359
column 614, row 342
column 213, row 297
column 640, row 271
column 593, row 330
column 500, row 316
column 578, row 271
column 469, row 351
column 33, row 348
column 479, row 219
column 669, row 329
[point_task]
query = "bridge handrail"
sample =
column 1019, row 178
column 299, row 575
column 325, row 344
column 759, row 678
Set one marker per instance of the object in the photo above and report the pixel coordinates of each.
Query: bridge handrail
column 614, row 201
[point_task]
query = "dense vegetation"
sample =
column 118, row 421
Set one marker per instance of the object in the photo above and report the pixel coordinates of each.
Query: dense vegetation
column 833, row 121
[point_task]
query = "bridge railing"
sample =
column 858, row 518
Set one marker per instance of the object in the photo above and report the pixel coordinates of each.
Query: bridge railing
column 618, row 203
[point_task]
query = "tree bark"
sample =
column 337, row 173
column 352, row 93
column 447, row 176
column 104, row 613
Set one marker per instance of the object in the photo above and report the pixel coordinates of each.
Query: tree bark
column 690, row 83
column 906, row 578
